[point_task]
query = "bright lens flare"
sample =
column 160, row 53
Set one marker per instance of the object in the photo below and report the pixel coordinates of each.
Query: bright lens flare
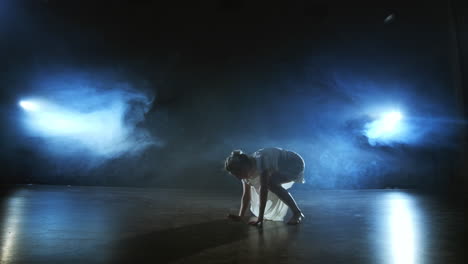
column 388, row 127
column 28, row 105
column 392, row 117
column 96, row 123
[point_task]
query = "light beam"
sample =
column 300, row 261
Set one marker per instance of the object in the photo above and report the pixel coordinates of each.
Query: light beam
column 387, row 128
column 29, row 105
column 102, row 123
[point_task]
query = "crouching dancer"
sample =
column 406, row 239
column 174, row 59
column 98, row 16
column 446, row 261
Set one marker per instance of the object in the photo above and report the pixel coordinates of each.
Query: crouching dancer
column 266, row 175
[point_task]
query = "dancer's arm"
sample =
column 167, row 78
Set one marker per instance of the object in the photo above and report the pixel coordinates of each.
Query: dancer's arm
column 245, row 202
column 245, row 199
column 264, row 178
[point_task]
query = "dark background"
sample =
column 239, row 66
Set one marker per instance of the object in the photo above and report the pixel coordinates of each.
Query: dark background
column 245, row 74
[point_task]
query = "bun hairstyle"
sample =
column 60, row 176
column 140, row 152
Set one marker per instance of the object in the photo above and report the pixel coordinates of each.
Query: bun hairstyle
column 236, row 161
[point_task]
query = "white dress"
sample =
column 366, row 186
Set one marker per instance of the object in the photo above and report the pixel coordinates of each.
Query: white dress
column 276, row 159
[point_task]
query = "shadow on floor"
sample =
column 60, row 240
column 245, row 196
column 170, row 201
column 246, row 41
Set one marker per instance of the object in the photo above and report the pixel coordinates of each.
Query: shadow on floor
column 176, row 243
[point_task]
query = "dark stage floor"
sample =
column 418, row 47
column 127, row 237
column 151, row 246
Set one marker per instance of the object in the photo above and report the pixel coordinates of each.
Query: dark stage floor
column 46, row 224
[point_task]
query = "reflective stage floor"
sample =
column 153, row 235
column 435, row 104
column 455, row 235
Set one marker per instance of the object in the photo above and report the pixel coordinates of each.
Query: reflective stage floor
column 59, row 224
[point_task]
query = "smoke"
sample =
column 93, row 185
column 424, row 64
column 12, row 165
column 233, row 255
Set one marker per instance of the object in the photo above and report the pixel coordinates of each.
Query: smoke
column 412, row 113
column 87, row 117
column 387, row 127
column 357, row 132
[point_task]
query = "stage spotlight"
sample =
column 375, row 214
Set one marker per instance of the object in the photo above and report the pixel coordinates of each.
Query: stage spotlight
column 390, row 121
column 29, row 105
column 385, row 127
column 98, row 124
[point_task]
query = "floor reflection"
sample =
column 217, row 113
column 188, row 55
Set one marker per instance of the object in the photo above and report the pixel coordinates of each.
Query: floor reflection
column 53, row 224
column 271, row 243
column 403, row 229
column 11, row 221
column 118, row 225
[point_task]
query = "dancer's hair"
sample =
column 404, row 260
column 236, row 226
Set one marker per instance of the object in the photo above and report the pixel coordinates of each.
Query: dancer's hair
column 236, row 161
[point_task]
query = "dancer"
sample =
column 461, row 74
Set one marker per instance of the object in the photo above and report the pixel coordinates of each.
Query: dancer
column 266, row 175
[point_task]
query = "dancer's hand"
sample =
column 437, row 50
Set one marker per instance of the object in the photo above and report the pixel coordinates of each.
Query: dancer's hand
column 234, row 217
column 257, row 223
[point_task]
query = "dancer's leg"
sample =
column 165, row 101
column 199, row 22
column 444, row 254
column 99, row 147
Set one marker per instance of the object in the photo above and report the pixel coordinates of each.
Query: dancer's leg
column 276, row 188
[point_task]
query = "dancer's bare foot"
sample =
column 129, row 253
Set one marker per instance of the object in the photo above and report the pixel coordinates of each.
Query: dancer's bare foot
column 296, row 219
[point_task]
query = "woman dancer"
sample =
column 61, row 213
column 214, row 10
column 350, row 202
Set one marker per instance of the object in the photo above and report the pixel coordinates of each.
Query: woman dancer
column 266, row 175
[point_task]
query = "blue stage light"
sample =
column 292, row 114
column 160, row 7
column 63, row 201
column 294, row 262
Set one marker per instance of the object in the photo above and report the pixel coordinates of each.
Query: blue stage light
column 103, row 124
column 385, row 128
column 29, row 105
